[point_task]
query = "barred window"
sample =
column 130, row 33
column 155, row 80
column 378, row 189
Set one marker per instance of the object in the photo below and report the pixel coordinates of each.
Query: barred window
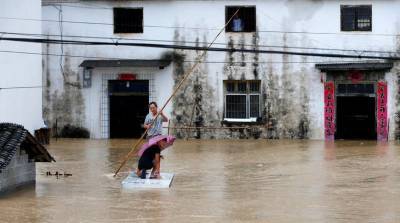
column 356, row 18
column 236, row 106
column 243, row 21
column 128, row 20
column 242, row 99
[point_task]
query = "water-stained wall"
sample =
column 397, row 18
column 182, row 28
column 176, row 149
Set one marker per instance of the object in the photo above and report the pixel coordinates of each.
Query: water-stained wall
column 394, row 94
column 284, row 92
column 291, row 86
column 63, row 103
column 193, row 105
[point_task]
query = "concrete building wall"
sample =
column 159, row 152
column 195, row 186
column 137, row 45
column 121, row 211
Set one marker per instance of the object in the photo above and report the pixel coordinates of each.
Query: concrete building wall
column 19, row 172
column 292, row 89
column 20, row 74
column 97, row 101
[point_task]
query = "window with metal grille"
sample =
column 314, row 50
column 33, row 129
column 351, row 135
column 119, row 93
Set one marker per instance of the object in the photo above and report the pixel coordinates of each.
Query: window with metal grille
column 243, row 21
column 128, row 20
column 356, row 17
column 236, row 106
column 242, row 99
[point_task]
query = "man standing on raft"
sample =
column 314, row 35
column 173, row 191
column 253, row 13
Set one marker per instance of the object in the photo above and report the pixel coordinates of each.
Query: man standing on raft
column 156, row 128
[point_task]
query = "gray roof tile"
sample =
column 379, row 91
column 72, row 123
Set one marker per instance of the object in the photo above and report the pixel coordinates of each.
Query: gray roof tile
column 12, row 136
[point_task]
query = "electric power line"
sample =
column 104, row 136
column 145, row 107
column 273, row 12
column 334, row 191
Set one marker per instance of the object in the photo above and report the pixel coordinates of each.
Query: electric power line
column 182, row 47
column 231, row 63
column 19, row 87
column 194, row 42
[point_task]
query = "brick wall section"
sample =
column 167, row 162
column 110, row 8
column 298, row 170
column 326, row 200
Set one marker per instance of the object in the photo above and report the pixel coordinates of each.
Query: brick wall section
column 19, row 172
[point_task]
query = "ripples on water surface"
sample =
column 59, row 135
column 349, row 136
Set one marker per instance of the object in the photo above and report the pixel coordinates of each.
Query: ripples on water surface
column 218, row 181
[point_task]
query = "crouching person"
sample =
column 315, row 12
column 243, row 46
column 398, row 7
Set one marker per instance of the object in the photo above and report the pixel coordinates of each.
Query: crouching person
column 151, row 159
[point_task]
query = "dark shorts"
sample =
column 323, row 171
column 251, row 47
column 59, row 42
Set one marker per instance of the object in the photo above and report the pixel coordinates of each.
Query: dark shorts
column 146, row 160
column 145, row 164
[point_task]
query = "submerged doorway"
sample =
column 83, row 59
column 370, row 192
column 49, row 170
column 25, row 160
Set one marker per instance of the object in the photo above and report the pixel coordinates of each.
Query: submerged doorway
column 356, row 118
column 355, row 100
column 356, row 112
column 128, row 107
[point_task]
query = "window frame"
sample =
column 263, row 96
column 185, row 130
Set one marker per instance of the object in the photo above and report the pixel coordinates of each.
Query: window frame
column 119, row 31
column 229, row 30
column 355, row 19
column 248, row 94
column 259, row 103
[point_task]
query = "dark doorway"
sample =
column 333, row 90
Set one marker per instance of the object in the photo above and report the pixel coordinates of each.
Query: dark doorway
column 355, row 117
column 128, row 107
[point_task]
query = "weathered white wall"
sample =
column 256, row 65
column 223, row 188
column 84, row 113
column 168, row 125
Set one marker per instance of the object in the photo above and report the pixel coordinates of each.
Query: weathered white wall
column 291, row 84
column 96, row 97
column 20, row 171
column 21, row 105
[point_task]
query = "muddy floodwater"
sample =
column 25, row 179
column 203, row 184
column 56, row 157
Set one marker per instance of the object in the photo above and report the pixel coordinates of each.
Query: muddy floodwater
column 218, row 181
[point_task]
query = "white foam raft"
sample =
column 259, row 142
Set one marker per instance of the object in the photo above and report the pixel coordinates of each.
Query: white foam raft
column 132, row 181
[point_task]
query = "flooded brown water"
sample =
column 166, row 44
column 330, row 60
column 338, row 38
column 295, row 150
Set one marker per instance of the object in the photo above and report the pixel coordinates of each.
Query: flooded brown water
column 218, row 181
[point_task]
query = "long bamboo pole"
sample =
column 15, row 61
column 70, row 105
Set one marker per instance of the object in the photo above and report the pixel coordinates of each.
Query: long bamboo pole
column 129, row 155
column 169, row 123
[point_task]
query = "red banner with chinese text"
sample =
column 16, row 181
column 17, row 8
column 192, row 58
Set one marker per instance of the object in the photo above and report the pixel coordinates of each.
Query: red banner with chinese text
column 329, row 110
column 381, row 113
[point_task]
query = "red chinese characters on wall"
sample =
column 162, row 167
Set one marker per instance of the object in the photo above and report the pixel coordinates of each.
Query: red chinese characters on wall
column 355, row 76
column 126, row 77
column 329, row 99
column 382, row 122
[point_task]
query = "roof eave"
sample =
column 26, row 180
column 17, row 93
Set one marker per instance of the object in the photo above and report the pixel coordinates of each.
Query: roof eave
column 365, row 66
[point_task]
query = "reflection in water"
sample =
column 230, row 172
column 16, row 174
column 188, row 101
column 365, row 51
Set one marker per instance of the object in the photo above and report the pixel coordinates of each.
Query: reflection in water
column 218, row 181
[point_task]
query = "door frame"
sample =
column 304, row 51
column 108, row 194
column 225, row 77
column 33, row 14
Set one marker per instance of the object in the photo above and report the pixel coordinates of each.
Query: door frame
column 128, row 93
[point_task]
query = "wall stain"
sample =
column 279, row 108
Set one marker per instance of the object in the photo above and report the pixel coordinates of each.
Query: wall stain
column 304, row 102
column 287, row 121
column 243, row 66
column 190, row 99
column 396, row 70
column 47, row 86
column 66, row 106
column 272, row 102
column 256, row 56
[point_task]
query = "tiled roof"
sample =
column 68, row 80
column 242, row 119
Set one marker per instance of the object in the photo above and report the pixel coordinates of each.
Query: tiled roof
column 12, row 137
